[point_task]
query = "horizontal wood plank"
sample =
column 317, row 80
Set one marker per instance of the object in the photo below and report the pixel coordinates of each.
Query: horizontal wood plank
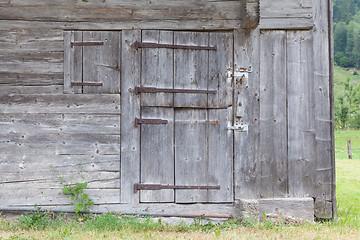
column 88, row 103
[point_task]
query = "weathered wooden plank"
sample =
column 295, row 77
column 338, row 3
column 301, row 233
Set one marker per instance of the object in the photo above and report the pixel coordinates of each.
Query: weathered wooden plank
column 221, row 10
column 30, row 79
column 323, row 115
column 288, row 9
column 157, row 68
column 87, row 103
column 91, row 62
column 101, row 63
column 18, row 194
column 169, row 24
column 291, row 14
column 20, row 56
column 47, row 123
column 191, row 159
column 247, row 111
column 273, row 121
column 32, row 38
column 286, row 23
column 219, row 169
column 157, row 154
column 196, row 64
column 72, row 61
column 56, row 89
column 219, row 61
column 130, row 135
column 301, row 120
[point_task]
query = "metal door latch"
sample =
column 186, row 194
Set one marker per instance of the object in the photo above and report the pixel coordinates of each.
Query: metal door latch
column 240, row 74
column 239, row 127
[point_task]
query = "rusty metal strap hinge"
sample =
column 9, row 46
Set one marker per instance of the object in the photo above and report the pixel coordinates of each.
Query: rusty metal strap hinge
column 139, row 121
column 169, row 90
column 141, row 186
column 138, row 45
column 93, row 84
column 72, row 44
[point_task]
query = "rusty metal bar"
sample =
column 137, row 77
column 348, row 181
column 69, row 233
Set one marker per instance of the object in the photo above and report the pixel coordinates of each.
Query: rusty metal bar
column 138, row 45
column 139, row 121
column 86, row 44
column 168, row 90
column 141, row 186
column 94, row 84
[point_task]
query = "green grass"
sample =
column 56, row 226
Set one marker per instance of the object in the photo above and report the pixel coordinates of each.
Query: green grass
column 341, row 137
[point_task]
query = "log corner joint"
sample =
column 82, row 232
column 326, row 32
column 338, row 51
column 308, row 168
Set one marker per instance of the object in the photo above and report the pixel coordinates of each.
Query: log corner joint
column 251, row 13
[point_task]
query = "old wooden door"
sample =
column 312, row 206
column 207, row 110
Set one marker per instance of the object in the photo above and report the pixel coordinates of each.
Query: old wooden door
column 186, row 105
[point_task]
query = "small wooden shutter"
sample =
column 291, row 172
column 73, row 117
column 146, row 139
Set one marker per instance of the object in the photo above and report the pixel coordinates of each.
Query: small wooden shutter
column 92, row 62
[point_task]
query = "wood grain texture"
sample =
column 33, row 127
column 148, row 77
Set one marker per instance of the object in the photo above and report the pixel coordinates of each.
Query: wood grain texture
column 323, row 115
column 247, row 111
column 130, row 103
column 291, row 14
column 157, row 68
column 191, row 159
column 70, row 11
column 54, row 103
column 219, row 61
column 301, row 120
column 273, row 121
column 157, row 154
column 196, row 64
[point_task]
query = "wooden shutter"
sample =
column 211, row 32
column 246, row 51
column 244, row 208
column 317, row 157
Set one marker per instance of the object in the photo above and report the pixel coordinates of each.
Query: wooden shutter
column 92, row 62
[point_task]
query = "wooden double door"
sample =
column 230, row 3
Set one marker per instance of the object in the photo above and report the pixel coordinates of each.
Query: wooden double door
column 186, row 106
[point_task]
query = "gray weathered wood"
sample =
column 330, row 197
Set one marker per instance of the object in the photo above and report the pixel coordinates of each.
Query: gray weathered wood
column 247, row 111
column 157, row 154
column 130, row 135
column 291, row 14
column 191, row 159
column 301, row 121
column 191, row 69
column 273, row 122
column 157, row 68
column 220, row 155
column 53, row 103
column 322, row 89
column 219, row 61
column 102, row 63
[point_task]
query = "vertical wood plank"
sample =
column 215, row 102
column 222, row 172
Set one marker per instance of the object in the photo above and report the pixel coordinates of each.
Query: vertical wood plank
column 301, row 121
column 73, row 57
column 157, row 68
column 109, row 65
column 191, row 161
column 191, row 69
column 247, row 111
column 157, row 154
column 220, row 155
column 130, row 104
column 219, row 61
column 273, row 109
column 323, row 104
column 68, row 58
column 91, row 61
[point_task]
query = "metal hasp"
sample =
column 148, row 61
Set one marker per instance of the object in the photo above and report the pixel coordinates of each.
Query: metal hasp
column 139, row 121
column 239, row 127
column 94, row 84
column 168, row 90
column 72, row 44
column 240, row 74
column 138, row 45
column 141, row 186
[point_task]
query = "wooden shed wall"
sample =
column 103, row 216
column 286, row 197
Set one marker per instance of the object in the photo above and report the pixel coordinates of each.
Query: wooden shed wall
column 286, row 153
